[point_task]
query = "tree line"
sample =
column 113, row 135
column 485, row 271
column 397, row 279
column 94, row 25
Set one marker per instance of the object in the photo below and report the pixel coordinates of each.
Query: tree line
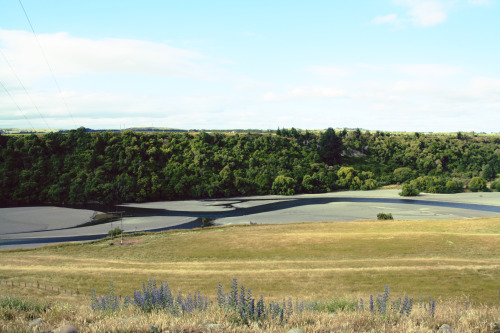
column 79, row 167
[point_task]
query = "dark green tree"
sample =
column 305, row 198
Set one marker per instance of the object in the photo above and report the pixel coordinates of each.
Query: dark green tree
column 330, row 147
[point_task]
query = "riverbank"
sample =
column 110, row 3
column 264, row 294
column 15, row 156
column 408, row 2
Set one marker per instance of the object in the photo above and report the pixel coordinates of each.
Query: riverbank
column 36, row 226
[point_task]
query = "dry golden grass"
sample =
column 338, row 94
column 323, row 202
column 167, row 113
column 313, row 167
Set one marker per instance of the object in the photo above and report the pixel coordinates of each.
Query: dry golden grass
column 307, row 260
column 475, row 319
column 452, row 261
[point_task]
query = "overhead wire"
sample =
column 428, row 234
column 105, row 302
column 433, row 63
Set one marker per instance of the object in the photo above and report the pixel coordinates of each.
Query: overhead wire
column 18, row 107
column 48, row 65
column 25, row 90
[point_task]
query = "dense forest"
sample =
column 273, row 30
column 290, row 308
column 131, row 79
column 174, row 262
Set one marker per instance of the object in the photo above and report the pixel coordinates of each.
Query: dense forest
column 79, row 167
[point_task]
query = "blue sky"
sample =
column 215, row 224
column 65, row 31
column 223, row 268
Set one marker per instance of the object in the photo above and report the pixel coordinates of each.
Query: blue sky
column 392, row 65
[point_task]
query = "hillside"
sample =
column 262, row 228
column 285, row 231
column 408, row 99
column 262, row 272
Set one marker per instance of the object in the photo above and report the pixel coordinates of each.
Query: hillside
column 80, row 167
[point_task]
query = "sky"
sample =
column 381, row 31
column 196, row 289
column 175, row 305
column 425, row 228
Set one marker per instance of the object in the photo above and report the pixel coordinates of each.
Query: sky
column 390, row 65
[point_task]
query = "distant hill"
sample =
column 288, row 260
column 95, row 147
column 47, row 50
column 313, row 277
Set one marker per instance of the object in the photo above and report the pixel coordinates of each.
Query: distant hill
column 90, row 130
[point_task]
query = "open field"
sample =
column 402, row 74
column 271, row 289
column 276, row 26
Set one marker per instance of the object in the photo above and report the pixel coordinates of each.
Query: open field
column 453, row 261
column 438, row 258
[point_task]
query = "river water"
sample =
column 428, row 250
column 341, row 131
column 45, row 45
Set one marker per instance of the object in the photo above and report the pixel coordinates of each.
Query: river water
column 35, row 226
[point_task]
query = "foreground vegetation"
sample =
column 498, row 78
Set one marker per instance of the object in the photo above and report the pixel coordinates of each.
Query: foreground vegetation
column 105, row 167
column 388, row 314
column 452, row 315
column 456, row 262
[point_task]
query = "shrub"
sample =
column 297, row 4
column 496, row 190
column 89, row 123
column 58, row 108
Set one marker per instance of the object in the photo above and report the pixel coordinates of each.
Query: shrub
column 284, row 185
column 477, row 184
column 454, row 186
column 384, row 216
column 402, row 175
column 115, row 232
column 409, row 190
column 369, row 184
column 207, row 222
column 495, row 186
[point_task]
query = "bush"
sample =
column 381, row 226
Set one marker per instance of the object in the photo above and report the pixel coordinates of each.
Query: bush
column 454, row 186
column 495, row 186
column 409, row 190
column 402, row 175
column 477, row 184
column 115, row 232
column 207, row 222
column 283, row 185
column 384, row 216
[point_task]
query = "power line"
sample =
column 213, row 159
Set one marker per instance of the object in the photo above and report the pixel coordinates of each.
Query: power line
column 18, row 107
column 48, row 65
column 25, row 90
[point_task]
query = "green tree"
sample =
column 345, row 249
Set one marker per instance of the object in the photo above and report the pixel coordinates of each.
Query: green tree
column 330, row 147
column 488, row 172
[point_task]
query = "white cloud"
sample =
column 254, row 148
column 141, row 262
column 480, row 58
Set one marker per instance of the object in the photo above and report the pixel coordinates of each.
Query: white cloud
column 427, row 13
column 68, row 55
column 390, row 18
column 411, row 86
column 428, row 70
column 304, row 93
column 334, row 71
column 480, row 2
column 485, row 86
column 422, row 13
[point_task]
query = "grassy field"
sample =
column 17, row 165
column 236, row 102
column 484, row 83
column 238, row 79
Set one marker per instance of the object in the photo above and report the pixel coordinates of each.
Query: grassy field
column 443, row 259
column 456, row 262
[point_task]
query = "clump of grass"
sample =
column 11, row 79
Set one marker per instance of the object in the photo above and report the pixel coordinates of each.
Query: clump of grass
column 20, row 308
column 22, row 304
column 334, row 305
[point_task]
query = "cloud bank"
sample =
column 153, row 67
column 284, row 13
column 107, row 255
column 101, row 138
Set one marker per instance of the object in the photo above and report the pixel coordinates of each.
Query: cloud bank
column 69, row 55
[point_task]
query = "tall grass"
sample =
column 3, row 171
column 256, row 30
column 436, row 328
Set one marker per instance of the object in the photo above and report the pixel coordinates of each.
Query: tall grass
column 232, row 311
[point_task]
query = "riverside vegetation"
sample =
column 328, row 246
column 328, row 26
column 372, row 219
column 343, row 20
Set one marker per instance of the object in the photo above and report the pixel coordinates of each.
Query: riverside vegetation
column 317, row 277
column 109, row 167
